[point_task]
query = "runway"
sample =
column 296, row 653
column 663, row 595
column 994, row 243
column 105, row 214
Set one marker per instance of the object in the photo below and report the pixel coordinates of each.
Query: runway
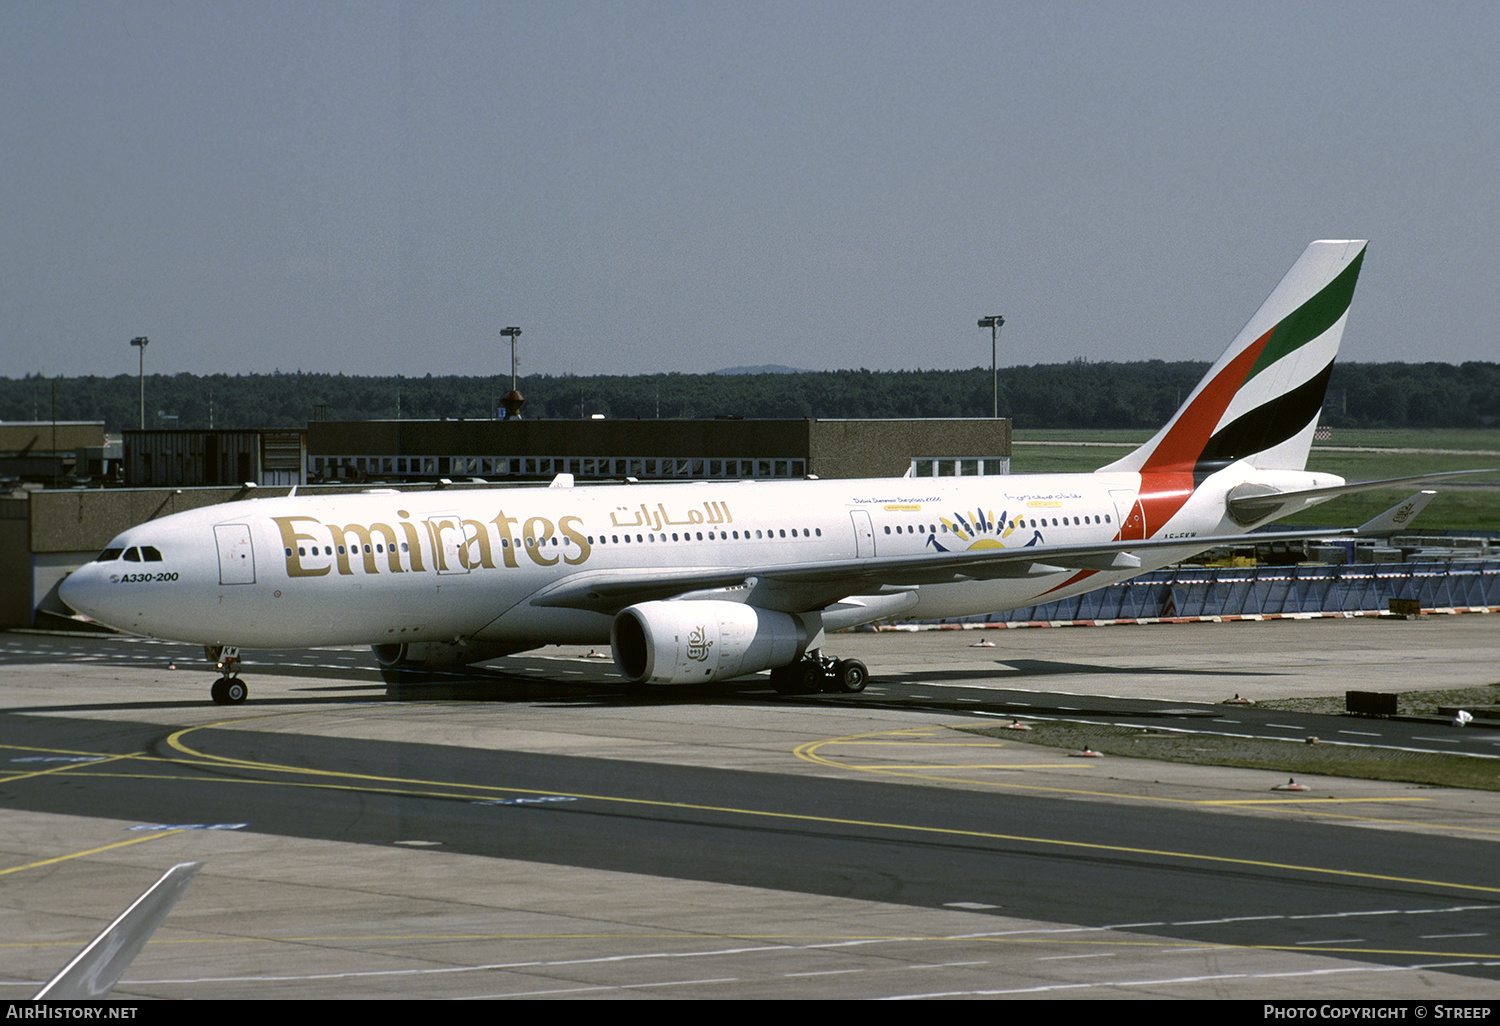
column 531, row 829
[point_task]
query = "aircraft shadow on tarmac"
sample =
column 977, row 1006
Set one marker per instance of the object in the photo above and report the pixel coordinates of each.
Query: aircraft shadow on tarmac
column 1014, row 669
column 581, row 682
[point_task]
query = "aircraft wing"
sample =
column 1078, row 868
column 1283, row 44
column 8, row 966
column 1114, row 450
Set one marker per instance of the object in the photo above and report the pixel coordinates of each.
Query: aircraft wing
column 99, row 966
column 801, row 587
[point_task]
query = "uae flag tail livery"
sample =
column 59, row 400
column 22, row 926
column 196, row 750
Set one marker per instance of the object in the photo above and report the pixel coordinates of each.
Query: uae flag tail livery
column 1258, row 405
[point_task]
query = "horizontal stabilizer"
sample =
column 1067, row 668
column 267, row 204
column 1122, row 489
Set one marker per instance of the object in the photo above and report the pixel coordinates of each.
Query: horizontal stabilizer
column 1397, row 518
column 1251, row 506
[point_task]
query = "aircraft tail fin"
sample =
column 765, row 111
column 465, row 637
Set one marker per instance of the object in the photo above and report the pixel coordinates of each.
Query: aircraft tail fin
column 1260, row 401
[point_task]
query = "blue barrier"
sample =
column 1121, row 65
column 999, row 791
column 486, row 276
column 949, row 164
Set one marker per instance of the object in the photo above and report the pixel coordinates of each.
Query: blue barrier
column 1273, row 590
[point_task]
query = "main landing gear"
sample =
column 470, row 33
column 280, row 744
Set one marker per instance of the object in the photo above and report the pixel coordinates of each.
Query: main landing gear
column 820, row 673
column 228, row 689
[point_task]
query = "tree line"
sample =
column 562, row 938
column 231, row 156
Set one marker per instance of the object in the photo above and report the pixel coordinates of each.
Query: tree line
column 1079, row 394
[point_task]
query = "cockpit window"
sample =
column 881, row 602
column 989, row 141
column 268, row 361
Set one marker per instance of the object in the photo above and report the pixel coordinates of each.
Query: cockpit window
column 109, row 554
column 132, row 555
column 150, row 553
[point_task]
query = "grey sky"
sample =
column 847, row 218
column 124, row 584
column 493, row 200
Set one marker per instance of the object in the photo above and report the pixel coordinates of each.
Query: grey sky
column 379, row 187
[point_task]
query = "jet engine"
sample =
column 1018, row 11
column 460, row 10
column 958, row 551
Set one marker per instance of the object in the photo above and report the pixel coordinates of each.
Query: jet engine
column 694, row 642
column 427, row 655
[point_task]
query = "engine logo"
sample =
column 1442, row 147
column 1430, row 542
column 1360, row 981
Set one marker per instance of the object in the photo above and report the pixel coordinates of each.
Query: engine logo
column 698, row 644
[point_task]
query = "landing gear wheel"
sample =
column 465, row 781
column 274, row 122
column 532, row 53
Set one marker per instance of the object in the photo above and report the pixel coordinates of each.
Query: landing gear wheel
column 229, row 691
column 849, row 676
column 810, row 676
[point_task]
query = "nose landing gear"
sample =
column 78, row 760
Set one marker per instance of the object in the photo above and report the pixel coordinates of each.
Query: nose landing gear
column 228, row 689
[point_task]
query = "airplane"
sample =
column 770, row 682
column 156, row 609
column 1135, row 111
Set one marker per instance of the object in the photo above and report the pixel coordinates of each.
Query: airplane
column 708, row 581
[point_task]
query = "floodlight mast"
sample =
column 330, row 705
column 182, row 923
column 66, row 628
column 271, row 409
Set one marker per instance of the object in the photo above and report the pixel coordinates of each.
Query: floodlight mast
column 511, row 333
column 993, row 322
column 140, row 342
column 514, row 400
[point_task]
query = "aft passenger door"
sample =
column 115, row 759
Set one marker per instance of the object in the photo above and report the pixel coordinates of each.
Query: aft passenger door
column 1132, row 517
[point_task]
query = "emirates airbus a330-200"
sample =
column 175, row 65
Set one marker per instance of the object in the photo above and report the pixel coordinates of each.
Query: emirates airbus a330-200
column 690, row 583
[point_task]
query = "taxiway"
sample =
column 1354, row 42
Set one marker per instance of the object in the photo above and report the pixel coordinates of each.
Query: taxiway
column 531, row 829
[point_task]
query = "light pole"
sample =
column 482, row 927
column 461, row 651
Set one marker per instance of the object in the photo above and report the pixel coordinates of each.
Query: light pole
column 511, row 333
column 993, row 322
column 140, row 343
column 514, row 400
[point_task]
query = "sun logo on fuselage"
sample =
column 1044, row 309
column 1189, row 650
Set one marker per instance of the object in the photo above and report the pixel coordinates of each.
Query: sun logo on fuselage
column 981, row 529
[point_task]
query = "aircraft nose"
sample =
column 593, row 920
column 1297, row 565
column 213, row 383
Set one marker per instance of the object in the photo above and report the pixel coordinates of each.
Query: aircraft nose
column 71, row 590
column 80, row 590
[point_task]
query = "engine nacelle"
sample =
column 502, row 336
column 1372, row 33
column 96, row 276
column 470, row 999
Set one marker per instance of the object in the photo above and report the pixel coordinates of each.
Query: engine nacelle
column 432, row 654
column 694, row 642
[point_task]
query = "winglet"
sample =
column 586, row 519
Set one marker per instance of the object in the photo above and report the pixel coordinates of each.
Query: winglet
column 99, row 966
column 1397, row 518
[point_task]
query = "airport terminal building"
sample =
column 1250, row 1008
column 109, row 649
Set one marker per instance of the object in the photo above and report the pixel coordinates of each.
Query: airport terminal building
column 654, row 450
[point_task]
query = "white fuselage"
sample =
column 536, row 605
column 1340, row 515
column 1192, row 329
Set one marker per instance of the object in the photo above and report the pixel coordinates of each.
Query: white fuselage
column 385, row 567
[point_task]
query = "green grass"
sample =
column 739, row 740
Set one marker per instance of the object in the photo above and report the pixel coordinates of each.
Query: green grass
column 1458, row 507
column 1292, row 758
column 1446, row 438
column 1408, row 703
